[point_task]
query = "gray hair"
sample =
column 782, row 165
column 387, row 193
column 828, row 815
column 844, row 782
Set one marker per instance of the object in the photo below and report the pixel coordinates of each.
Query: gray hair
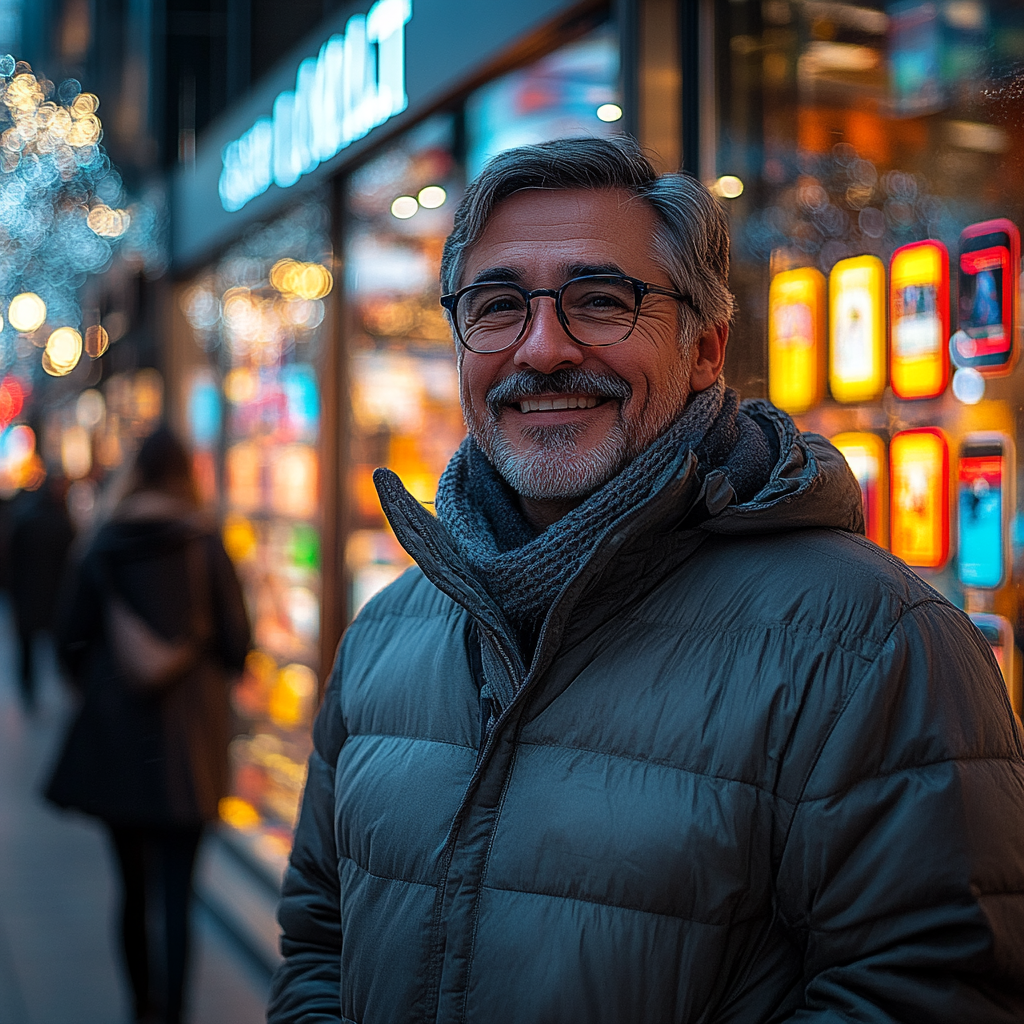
column 691, row 243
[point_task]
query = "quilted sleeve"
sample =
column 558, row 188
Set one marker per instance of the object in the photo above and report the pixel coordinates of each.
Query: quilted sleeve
column 306, row 987
column 902, row 876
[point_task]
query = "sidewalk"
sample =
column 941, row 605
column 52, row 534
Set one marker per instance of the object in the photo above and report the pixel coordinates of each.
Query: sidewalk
column 57, row 898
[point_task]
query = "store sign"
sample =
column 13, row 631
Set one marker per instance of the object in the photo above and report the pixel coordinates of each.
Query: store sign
column 356, row 83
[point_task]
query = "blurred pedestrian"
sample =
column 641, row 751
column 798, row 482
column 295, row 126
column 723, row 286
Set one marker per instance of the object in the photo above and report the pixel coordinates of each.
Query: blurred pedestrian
column 152, row 628
column 40, row 536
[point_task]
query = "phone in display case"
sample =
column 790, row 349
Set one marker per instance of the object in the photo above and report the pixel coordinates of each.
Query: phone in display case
column 919, row 320
column 796, row 339
column 856, row 370
column 865, row 455
column 988, row 280
column 985, row 470
column 919, row 497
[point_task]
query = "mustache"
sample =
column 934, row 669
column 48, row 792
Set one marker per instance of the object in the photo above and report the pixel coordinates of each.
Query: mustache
column 530, row 383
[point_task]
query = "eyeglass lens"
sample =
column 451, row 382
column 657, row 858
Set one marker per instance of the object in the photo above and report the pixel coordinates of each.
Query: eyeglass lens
column 597, row 311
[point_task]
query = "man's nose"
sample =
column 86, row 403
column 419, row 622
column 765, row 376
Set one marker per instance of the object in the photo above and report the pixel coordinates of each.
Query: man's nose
column 545, row 347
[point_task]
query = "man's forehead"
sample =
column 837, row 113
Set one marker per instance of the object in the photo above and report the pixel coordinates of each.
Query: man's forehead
column 564, row 230
column 517, row 272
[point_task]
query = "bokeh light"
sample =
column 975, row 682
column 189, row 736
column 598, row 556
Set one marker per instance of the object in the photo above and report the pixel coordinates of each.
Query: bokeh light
column 76, row 452
column 299, row 280
column 62, row 352
column 12, row 400
column 728, row 187
column 404, row 207
column 96, row 341
column 90, row 409
column 26, row 313
column 431, row 197
column 609, row 112
column 63, row 208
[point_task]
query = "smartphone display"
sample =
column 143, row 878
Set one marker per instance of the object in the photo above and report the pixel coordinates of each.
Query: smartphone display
column 857, row 329
column 982, row 525
column 919, row 320
column 865, row 455
column 919, row 504
column 989, row 270
column 796, row 339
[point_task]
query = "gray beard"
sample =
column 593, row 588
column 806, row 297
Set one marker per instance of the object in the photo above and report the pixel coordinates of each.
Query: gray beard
column 554, row 469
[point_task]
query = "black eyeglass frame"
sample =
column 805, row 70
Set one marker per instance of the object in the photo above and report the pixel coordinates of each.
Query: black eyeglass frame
column 640, row 290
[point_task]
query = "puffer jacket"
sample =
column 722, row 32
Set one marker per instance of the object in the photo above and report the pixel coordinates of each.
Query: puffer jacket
column 757, row 771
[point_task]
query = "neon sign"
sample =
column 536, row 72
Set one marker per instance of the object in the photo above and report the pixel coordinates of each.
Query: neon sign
column 354, row 84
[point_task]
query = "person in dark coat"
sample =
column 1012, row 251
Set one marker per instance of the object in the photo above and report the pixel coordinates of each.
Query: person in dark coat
column 650, row 734
column 152, row 629
column 40, row 538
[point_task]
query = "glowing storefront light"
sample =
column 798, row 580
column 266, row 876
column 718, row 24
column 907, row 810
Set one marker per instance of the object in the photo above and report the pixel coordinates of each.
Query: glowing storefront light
column 919, row 472
column 919, row 320
column 356, row 83
column 857, row 329
column 865, row 454
column 796, row 339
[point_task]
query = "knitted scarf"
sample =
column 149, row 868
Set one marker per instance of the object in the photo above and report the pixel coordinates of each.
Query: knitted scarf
column 524, row 570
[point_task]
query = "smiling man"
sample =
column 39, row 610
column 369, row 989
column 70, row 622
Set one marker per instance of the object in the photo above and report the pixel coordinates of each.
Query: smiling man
column 650, row 733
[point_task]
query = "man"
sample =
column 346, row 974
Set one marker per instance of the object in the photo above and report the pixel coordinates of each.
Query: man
column 651, row 734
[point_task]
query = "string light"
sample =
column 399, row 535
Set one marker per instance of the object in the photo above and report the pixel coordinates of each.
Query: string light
column 62, row 206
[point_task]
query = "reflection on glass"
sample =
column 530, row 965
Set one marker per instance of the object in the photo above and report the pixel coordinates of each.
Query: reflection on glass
column 857, row 329
column 254, row 417
column 919, row 320
column 865, row 455
column 573, row 91
column 796, row 339
column 919, row 474
column 404, row 386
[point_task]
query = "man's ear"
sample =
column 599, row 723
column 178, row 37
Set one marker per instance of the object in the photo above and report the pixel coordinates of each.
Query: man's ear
column 710, row 357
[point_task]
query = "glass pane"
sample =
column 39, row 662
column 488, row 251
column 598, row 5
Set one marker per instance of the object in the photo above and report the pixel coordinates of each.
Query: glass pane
column 253, row 413
column 573, row 91
column 405, row 395
column 885, row 137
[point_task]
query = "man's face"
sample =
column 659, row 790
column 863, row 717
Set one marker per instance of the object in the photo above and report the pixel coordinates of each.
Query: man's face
column 609, row 403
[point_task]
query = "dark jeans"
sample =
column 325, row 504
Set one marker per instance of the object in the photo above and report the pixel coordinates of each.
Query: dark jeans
column 156, row 862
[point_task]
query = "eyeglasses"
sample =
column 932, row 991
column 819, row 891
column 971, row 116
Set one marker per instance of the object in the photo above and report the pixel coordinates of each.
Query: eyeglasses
column 595, row 310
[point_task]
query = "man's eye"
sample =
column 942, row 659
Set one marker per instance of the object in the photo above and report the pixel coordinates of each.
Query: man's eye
column 600, row 301
column 503, row 304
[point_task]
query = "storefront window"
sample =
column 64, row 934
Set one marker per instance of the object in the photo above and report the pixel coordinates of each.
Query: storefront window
column 404, row 397
column 573, row 91
column 252, row 410
column 866, row 143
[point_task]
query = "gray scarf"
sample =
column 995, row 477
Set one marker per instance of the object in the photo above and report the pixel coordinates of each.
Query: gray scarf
column 524, row 570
